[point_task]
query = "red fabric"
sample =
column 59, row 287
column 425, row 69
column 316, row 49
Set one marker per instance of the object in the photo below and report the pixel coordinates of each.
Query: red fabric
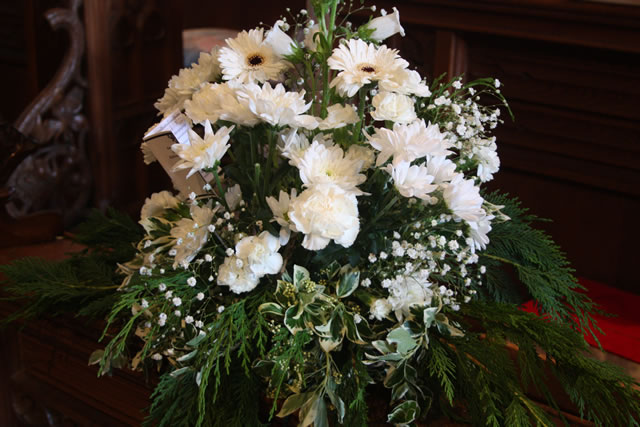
column 621, row 332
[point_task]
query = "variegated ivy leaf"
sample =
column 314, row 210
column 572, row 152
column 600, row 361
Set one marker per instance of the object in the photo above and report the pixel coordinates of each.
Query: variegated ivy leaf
column 347, row 284
column 404, row 413
column 402, row 339
column 300, row 274
column 271, row 308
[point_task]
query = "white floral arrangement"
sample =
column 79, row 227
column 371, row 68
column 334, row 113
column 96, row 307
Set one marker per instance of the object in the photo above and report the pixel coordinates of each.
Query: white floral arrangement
column 338, row 247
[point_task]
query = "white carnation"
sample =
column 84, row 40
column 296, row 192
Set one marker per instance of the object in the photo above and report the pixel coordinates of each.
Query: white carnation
column 237, row 276
column 260, row 253
column 392, row 106
column 323, row 214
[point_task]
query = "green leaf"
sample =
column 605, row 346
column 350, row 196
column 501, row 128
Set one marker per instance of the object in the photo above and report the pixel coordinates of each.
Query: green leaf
column 309, row 411
column 299, row 275
column 338, row 403
column 187, row 356
column 95, row 357
column 197, row 340
column 271, row 308
column 293, row 319
column 404, row 413
column 178, row 372
column 429, row 317
column 321, row 419
column 353, row 334
column 348, row 283
column 294, row 402
column 403, row 340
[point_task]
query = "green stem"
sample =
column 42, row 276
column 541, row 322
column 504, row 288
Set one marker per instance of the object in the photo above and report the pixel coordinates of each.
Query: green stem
column 363, row 96
column 270, row 160
column 325, row 66
column 382, row 211
column 219, row 185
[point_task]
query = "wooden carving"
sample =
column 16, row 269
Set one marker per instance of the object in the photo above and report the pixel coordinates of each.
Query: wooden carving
column 47, row 166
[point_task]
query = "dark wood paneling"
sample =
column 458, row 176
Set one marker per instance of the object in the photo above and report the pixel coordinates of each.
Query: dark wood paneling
column 571, row 71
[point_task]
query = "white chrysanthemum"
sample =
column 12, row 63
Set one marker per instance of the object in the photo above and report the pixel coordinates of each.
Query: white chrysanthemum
column 392, row 106
column 147, row 155
column 260, row 253
column 412, row 181
column 202, row 153
column 322, row 165
column 249, row 58
column 155, row 206
column 235, row 274
column 360, row 63
column 361, row 153
column 386, row 26
column 408, row 82
column 323, row 214
column 463, row 198
column 380, row 309
column 191, row 234
column 407, row 291
column 479, row 232
column 488, row 161
column 407, row 143
column 442, row 169
column 188, row 81
column 339, row 116
column 276, row 106
column 279, row 41
column 280, row 209
column 218, row 101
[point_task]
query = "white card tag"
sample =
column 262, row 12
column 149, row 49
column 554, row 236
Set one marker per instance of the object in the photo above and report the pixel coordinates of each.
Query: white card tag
column 160, row 146
column 176, row 123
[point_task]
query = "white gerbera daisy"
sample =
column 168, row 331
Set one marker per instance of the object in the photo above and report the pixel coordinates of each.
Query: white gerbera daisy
column 360, row 63
column 202, row 153
column 321, row 165
column 407, row 143
column 276, row 106
column 250, row 58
